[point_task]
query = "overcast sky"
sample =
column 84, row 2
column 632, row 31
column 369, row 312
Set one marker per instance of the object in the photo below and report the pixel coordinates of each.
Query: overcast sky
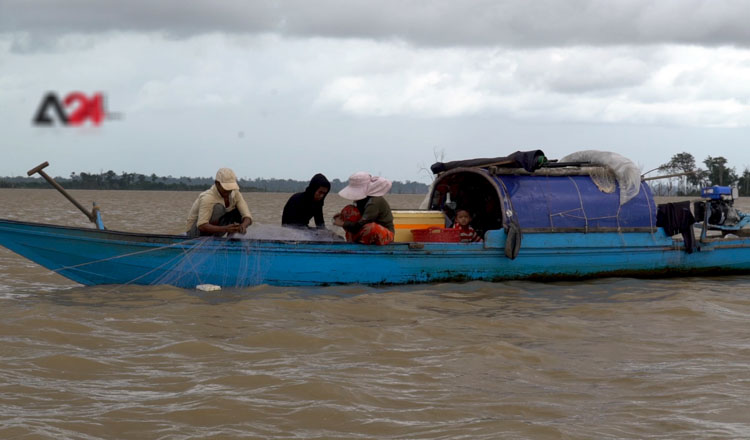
column 287, row 89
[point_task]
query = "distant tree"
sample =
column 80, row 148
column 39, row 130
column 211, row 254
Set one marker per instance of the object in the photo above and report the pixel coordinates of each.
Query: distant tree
column 683, row 163
column 131, row 181
column 439, row 156
column 126, row 179
column 109, row 178
column 718, row 173
column 743, row 184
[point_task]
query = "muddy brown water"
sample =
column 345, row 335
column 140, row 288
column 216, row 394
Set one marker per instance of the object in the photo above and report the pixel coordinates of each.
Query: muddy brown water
column 613, row 358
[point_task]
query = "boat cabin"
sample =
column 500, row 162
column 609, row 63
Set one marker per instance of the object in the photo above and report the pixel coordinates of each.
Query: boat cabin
column 472, row 189
column 539, row 196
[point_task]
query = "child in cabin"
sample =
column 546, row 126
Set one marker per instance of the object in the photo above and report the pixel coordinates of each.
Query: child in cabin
column 467, row 234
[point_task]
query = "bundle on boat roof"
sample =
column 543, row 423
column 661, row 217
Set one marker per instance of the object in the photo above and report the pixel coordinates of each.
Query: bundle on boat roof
column 626, row 173
column 528, row 160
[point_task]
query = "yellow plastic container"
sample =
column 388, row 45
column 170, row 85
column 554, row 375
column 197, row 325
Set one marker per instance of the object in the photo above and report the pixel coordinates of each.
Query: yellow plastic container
column 406, row 220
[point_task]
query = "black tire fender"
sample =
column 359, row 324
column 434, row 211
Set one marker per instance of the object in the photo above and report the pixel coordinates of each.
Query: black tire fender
column 513, row 241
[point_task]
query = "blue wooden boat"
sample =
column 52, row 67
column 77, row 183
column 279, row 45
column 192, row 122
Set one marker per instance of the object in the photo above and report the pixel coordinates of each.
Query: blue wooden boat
column 541, row 223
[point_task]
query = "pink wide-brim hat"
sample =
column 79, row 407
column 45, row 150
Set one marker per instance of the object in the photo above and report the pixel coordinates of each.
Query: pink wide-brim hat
column 362, row 184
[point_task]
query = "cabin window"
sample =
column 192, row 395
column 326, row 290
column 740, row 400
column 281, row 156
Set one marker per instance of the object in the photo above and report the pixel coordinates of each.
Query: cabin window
column 471, row 191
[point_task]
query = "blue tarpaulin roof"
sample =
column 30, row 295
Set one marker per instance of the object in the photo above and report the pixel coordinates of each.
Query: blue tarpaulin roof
column 575, row 202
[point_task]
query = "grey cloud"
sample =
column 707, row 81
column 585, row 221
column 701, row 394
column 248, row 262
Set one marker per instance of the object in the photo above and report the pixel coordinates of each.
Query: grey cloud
column 174, row 17
column 517, row 23
column 586, row 70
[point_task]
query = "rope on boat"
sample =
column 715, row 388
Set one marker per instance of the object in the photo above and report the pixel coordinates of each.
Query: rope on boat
column 580, row 202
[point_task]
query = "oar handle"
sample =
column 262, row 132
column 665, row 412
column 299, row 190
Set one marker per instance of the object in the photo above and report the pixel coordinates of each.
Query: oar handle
column 39, row 169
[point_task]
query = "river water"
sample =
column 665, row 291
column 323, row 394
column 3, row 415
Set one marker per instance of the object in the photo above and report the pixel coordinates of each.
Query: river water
column 614, row 358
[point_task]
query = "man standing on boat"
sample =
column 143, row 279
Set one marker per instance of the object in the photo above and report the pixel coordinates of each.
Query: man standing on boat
column 220, row 209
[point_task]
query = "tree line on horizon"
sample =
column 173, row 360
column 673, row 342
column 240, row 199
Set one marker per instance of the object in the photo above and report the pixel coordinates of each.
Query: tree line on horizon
column 110, row 180
column 693, row 178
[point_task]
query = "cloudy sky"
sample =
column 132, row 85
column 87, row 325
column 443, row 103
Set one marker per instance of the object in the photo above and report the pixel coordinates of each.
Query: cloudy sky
column 289, row 88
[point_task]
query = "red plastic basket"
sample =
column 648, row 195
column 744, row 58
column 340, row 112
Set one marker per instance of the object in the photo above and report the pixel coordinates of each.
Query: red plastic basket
column 436, row 234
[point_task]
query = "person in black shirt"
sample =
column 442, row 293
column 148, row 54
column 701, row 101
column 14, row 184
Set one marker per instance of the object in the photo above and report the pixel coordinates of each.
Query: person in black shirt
column 301, row 207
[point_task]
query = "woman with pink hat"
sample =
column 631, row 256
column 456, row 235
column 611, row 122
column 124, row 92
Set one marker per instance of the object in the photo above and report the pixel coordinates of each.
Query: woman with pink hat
column 371, row 221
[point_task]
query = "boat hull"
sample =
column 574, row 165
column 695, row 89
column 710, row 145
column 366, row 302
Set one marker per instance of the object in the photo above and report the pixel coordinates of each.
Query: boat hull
column 92, row 257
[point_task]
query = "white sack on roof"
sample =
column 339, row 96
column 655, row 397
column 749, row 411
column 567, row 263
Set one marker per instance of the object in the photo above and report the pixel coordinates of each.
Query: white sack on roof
column 627, row 173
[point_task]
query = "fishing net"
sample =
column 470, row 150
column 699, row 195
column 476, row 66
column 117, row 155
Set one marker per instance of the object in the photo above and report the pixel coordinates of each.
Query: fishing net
column 227, row 263
column 243, row 260
column 274, row 232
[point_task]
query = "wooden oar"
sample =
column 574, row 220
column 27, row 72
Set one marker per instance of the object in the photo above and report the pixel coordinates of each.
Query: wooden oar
column 94, row 215
column 667, row 176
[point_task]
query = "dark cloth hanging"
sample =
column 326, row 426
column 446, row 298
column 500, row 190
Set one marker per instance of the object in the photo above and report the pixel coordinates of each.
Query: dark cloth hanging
column 528, row 160
column 677, row 218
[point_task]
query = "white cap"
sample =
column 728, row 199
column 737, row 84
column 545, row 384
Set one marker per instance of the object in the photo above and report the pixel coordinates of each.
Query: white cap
column 227, row 179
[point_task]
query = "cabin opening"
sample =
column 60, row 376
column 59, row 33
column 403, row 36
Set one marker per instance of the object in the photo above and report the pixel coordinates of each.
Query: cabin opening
column 471, row 190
